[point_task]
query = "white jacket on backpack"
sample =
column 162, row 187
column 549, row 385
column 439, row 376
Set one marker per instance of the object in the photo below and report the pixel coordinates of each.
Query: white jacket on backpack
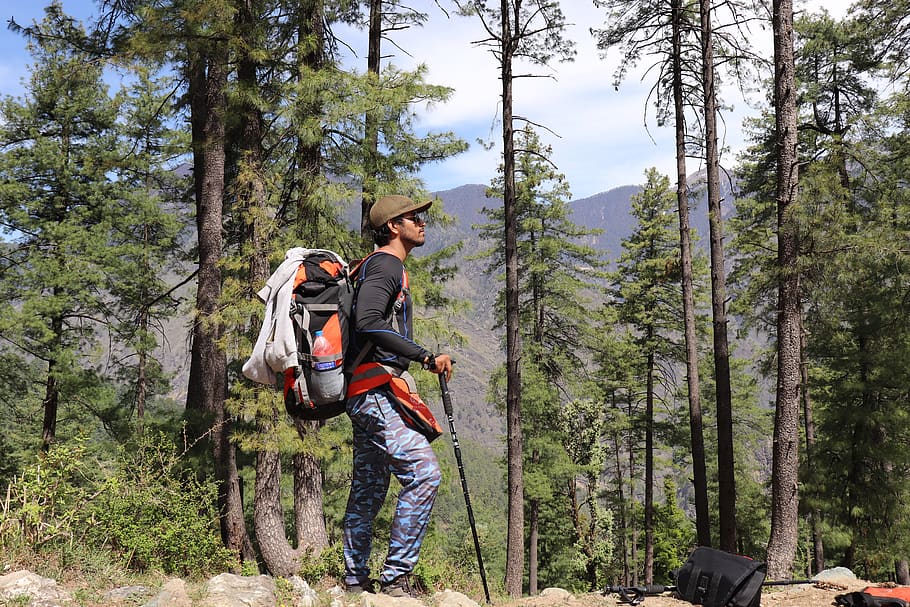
column 276, row 346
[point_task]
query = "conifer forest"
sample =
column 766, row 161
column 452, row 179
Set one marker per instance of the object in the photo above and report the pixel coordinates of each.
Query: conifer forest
column 746, row 388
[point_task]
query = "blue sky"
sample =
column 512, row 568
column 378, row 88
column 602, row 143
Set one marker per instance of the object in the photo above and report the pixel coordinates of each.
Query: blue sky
column 598, row 134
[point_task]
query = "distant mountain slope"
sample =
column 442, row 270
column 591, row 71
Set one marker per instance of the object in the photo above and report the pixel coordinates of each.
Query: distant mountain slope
column 609, row 211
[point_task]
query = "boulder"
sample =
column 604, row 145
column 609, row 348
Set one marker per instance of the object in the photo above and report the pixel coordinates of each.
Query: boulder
column 42, row 591
column 172, row 594
column 229, row 590
column 450, row 598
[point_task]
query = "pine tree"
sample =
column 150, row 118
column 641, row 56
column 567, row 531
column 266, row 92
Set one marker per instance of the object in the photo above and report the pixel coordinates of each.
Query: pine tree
column 529, row 30
column 645, row 295
column 147, row 237
column 58, row 204
column 555, row 268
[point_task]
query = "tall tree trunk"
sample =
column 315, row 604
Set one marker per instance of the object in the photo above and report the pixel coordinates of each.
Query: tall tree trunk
column 623, row 518
column 207, row 388
column 268, row 515
column 631, row 448
column 312, row 535
column 649, row 468
column 593, row 524
column 371, row 126
column 785, row 461
column 311, row 53
column 142, row 369
column 696, row 433
column 50, row 405
column 533, row 539
column 725, row 470
column 818, row 546
column 902, row 572
column 251, row 189
column 308, row 490
column 515, row 536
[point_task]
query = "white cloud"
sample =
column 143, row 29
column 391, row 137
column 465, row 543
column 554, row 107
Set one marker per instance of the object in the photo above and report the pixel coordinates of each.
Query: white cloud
column 602, row 141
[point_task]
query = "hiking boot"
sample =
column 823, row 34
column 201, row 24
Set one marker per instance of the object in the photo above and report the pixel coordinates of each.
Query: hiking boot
column 399, row 587
column 361, row 587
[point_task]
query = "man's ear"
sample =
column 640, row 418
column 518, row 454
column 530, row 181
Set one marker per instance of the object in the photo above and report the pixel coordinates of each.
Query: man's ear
column 394, row 227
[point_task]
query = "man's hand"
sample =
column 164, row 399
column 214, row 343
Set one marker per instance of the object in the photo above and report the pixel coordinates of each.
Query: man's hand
column 442, row 364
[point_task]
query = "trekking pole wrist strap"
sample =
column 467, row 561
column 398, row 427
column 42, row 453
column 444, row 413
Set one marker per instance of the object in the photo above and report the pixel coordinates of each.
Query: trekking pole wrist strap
column 429, row 363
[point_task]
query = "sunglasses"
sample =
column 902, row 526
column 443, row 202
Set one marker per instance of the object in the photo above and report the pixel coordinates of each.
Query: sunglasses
column 417, row 219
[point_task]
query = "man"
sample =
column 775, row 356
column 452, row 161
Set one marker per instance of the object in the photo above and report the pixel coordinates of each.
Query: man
column 386, row 439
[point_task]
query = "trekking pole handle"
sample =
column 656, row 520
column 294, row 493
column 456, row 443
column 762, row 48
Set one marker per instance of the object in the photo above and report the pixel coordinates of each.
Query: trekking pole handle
column 446, row 397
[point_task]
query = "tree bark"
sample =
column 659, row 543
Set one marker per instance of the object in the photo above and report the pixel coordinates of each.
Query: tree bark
column 696, row 430
column 312, row 535
column 268, row 516
column 207, row 388
column 533, row 539
column 515, row 482
column 818, row 546
column 141, row 370
column 251, row 189
column 311, row 53
column 371, row 126
column 308, row 491
column 634, row 543
column 785, row 461
column 649, row 468
column 623, row 519
column 50, row 405
column 725, row 469
column 902, row 572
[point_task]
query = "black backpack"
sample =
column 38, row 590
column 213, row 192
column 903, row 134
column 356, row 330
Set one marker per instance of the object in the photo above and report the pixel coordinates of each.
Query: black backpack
column 714, row 578
column 323, row 296
column 316, row 388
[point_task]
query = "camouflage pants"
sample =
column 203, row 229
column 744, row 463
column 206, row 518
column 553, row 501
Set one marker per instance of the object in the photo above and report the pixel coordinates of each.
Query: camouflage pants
column 384, row 445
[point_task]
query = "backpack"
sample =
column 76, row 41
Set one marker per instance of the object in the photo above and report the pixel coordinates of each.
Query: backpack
column 316, row 387
column 714, row 578
column 875, row 596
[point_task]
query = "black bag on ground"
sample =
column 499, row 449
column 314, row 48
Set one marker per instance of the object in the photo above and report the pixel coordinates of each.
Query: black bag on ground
column 714, row 578
column 866, row 599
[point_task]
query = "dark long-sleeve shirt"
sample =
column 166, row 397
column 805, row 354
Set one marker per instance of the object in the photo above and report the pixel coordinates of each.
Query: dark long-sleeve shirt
column 382, row 294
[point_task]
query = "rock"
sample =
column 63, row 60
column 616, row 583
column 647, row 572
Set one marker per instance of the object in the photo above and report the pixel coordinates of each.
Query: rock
column 835, row 573
column 42, row 591
column 126, row 592
column 229, row 590
column 557, row 594
column 383, row 600
column 450, row 598
column 306, row 596
column 172, row 594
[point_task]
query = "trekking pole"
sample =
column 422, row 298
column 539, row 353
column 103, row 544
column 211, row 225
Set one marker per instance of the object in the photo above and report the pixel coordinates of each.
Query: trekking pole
column 634, row 595
column 447, row 405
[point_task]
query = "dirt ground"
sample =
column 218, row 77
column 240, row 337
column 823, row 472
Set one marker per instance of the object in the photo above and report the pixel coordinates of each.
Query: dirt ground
column 805, row 595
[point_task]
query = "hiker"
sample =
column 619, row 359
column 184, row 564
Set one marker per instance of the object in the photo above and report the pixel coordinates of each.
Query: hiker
column 388, row 437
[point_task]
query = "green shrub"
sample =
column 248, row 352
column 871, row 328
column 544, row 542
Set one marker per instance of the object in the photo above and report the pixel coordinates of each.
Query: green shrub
column 47, row 501
column 156, row 516
column 328, row 564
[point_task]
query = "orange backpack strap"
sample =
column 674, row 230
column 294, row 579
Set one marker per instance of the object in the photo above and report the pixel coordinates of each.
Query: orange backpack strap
column 367, row 377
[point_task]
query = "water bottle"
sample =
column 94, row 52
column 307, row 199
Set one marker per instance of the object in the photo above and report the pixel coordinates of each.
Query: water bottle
column 327, row 374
